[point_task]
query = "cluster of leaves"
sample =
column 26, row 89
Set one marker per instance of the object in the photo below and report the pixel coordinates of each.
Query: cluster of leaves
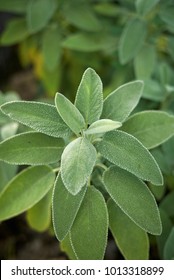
column 102, row 157
column 116, row 34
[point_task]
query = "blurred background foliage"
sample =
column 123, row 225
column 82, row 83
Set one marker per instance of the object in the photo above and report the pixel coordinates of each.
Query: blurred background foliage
column 45, row 46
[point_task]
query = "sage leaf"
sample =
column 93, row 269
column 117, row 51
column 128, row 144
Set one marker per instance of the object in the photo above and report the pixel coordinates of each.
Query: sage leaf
column 77, row 162
column 151, row 128
column 90, row 228
column 65, row 246
column 120, row 103
column 89, row 98
column 32, row 148
column 102, row 126
column 145, row 70
column 39, row 12
column 132, row 241
column 128, row 153
column 131, row 40
column 39, row 216
column 15, row 31
column 134, row 198
column 65, row 208
column 39, row 116
column 169, row 249
column 167, row 204
column 25, row 190
column 69, row 113
column 82, row 16
column 144, row 7
column 7, row 172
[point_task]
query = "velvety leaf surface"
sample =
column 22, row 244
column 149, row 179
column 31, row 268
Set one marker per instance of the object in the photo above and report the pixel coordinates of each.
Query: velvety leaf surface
column 151, row 128
column 89, row 231
column 39, row 216
column 132, row 241
column 134, row 198
column 120, row 103
column 77, row 163
column 132, row 39
column 25, row 190
column 39, row 12
column 102, row 126
column 65, row 208
column 69, row 113
column 169, row 248
column 128, row 153
column 32, row 148
column 39, row 116
column 89, row 98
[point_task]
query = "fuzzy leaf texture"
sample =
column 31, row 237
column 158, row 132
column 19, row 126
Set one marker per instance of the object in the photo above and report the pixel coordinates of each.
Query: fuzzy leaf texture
column 134, row 198
column 152, row 128
column 90, row 228
column 25, row 190
column 127, row 152
column 65, row 207
column 131, row 40
column 32, row 148
column 120, row 103
column 132, row 241
column 77, row 163
column 102, row 126
column 89, row 97
column 39, row 116
column 144, row 7
column 69, row 113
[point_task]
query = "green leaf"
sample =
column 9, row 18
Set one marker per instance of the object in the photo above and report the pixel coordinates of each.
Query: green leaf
column 39, row 216
column 134, row 198
column 89, row 98
column 51, row 52
column 166, row 14
column 153, row 91
column 32, row 148
column 7, row 172
column 16, row 6
column 65, row 208
column 131, row 40
column 77, row 162
column 8, row 130
column 167, row 204
column 39, row 116
column 169, row 248
column 15, row 31
column 69, row 113
column 166, row 226
column 144, row 70
column 102, row 126
column 25, row 190
column 87, row 42
column 65, row 246
column 128, row 153
column 81, row 15
column 132, row 241
column 89, row 231
column 144, row 7
column 120, row 103
column 39, row 12
column 151, row 128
